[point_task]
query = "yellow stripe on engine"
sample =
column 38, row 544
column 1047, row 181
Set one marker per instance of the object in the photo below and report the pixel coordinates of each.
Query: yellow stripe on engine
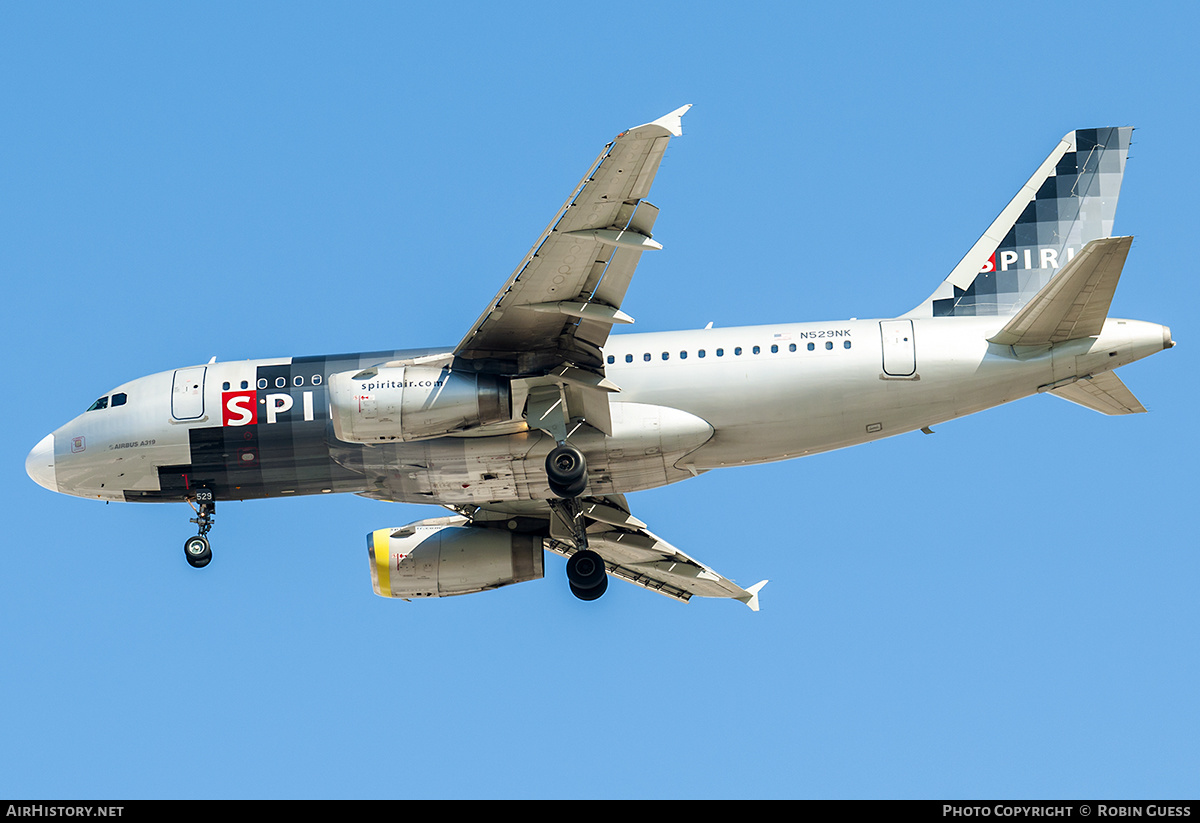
column 381, row 541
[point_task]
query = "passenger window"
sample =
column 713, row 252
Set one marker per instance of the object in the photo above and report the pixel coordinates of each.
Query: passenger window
column 846, row 344
column 298, row 380
column 828, row 345
column 720, row 352
column 629, row 358
column 812, row 346
column 245, row 384
column 700, row 353
column 756, row 350
column 316, row 379
column 666, row 356
column 738, row 351
column 280, row 382
column 683, row 355
column 119, row 399
column 611, row 360
column 646, row 357
column 262, row 382
column 774, row 349
column 792, row 347
column 225, row 386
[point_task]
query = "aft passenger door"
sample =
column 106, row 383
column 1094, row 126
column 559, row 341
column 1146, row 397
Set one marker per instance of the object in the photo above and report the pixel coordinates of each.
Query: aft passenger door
column 899, row 349
column 187, row 394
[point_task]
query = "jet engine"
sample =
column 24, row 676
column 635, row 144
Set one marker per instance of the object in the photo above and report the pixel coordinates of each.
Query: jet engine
column 444, row 557
column 414, row 403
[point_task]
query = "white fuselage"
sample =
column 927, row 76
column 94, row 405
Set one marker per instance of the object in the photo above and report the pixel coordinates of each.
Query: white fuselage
column 689, row 401
column 774, row 405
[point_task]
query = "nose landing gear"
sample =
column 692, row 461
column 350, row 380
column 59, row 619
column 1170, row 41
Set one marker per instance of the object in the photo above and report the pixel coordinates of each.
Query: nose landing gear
column 197, row 549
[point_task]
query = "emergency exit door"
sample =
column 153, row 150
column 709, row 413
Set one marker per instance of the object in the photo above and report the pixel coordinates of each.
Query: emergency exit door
column 899, row 348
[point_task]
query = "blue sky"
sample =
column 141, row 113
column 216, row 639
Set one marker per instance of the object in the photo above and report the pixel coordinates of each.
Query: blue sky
column 1004, row 609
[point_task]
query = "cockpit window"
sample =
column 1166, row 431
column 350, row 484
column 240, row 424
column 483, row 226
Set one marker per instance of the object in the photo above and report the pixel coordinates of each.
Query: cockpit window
column 118, row 399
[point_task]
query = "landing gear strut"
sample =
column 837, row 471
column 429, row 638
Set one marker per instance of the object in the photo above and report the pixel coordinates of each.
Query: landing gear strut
column 197, row 549
column 566, row 473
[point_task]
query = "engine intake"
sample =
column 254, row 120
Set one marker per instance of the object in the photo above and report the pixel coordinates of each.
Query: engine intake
column 414, row 403
column 433, row 559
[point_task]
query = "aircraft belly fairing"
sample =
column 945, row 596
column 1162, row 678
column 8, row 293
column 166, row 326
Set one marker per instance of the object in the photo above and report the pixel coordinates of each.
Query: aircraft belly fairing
column 646, row 443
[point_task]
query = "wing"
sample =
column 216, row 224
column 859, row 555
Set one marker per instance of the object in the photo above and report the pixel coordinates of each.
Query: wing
column 558, row 307
column 630, row 551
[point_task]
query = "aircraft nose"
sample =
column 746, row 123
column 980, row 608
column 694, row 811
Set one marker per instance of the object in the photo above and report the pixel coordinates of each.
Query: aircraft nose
column 40, row 464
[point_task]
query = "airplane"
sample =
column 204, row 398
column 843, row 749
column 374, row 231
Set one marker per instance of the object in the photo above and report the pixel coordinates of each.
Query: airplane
column 537, row 424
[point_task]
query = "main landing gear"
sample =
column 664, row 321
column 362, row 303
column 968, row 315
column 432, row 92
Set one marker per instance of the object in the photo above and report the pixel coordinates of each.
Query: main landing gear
column 197, row 549
column 586, row 575
column 566, row 470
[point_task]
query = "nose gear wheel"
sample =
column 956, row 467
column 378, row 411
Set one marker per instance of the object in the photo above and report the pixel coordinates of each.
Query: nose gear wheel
column 197, row 549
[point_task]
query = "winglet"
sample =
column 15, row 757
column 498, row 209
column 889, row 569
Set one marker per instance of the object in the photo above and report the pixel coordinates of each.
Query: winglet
column 751, row 598
column 672, row 122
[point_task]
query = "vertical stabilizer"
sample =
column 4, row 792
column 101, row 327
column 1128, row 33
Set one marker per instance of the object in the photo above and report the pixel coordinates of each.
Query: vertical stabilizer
column 1069, row 201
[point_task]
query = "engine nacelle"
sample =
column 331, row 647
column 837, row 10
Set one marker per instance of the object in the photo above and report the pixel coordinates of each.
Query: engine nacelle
column 432, row 558
column 414, row 403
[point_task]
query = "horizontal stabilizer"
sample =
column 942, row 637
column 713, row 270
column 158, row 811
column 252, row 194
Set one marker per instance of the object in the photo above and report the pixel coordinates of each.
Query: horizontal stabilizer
column 1103, row 392
column 1075, row 303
